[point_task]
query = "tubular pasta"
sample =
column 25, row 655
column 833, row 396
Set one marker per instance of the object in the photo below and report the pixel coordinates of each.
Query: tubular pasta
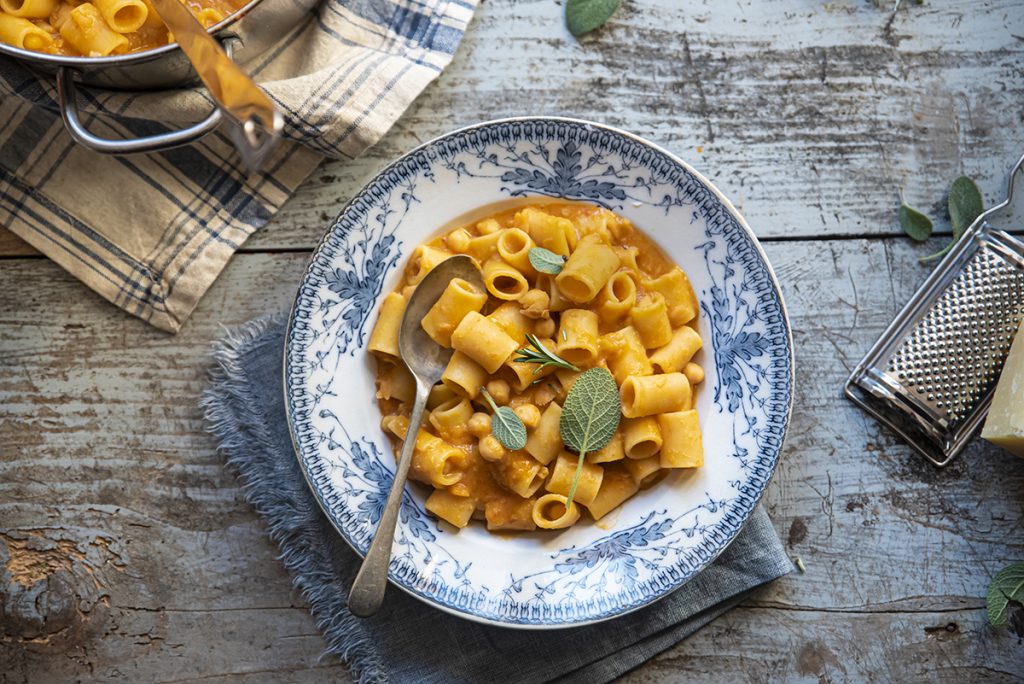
column 615, row 303
column 588, row 269
column 678, row 351
column 549, row 512
column 458, row 299
column 503, row 280
column 652, row 394
column 682, row 447
column 23, row 33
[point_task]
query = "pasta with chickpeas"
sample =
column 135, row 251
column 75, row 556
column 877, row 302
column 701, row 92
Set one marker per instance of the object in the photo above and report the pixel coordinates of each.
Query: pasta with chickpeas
column 96, row 28
column 616, row 303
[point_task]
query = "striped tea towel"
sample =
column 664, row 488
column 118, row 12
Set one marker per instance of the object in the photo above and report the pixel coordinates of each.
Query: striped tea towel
column 151, row 232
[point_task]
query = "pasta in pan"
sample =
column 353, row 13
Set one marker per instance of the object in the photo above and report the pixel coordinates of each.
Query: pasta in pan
column 616, row 303
column 96, row 28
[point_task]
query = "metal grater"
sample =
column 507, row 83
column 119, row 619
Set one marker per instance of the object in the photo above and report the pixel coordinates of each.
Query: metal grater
column 931, row 375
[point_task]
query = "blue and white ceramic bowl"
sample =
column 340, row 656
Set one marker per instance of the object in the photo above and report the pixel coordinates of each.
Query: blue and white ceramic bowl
column 660, row 538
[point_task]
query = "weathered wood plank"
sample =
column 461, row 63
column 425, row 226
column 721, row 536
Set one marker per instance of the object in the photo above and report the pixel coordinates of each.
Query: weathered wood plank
column 111, row 490
column 809, row 116
column 101, row 447
column 753, row 644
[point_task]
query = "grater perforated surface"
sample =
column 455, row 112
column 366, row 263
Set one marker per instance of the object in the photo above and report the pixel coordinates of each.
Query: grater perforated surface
column 953, row 356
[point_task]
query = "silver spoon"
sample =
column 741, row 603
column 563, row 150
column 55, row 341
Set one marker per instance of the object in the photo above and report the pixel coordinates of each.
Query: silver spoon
column 426, row 360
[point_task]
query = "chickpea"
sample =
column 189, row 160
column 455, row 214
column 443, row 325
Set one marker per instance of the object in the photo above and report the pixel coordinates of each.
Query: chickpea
column 458, row 240
column 479, row 425
column 529, row 414
column 499, row 391
column 535, row 303
column 491, row 449
column 545, row 327
column 694, row 373
column 488, row 226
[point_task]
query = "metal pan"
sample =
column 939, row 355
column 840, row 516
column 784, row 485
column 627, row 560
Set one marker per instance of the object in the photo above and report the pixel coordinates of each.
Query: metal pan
column 245, row 34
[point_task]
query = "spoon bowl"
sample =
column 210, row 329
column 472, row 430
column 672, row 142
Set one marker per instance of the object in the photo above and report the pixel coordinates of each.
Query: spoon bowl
column 424, row 357
column 426, row 360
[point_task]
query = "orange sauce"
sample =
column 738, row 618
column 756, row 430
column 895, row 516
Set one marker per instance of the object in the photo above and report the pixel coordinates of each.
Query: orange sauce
column 481, row 479
column 152, row 34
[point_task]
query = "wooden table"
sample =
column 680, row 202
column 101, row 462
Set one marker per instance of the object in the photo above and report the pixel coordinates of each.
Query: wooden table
column 137, row 559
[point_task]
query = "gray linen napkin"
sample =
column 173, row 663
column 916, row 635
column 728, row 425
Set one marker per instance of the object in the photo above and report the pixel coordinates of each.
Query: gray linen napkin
column 409, row 641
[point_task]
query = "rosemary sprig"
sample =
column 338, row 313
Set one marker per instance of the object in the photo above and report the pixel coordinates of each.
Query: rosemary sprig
column 541, row 355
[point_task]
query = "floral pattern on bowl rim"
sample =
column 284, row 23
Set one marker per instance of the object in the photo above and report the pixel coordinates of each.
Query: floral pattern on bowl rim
column 657, row 540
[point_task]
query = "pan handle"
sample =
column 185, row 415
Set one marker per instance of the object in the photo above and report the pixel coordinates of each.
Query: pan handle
column 67, row 95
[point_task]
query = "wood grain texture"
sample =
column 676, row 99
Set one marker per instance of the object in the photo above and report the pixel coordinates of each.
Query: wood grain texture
column 810, row 117
column 128, row 554
column 137, row 559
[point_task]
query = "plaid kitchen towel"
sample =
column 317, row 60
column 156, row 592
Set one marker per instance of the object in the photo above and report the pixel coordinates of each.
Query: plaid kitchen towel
column 409, row 641
column 151, row 232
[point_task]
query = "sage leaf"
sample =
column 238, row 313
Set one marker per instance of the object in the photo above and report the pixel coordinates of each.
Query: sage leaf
column 914, row 223
column 1006, row 586
column 506, row 426
column 591, row 411
column 583, row 16
column 546, row 261
column 590, row 415
column 965, row 205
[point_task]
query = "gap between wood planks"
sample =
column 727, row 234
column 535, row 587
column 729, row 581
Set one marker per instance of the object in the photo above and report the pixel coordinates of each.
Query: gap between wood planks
column 13, row 247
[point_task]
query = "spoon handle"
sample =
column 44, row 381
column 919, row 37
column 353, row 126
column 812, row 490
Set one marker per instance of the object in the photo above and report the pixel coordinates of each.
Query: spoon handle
column 367, row 593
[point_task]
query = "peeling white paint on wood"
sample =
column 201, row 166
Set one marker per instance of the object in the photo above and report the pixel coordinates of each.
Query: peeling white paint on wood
column 103, row 448
column 127, row 552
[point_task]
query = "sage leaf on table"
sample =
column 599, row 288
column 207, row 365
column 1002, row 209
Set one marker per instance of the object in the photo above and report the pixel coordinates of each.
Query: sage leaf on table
column 590, row 416
column 914, row 223
column 546, row 261
column 506, row 426
column 1006, row 586
column 965, row 205
column 583, row 16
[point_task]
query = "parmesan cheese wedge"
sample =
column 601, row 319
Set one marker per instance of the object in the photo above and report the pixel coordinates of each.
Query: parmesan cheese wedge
column 1004, row 425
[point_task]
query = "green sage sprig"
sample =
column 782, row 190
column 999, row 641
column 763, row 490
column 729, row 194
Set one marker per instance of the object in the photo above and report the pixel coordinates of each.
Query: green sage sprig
column 914, row 223
column 541, row 355
column 964, row 203
column 545, row 261
column 1006, row 586
column 590, row 416
column 506, row 426
column 583, row 16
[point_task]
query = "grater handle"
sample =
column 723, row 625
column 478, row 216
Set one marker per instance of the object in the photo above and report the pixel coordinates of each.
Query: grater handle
column 1011, row 181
